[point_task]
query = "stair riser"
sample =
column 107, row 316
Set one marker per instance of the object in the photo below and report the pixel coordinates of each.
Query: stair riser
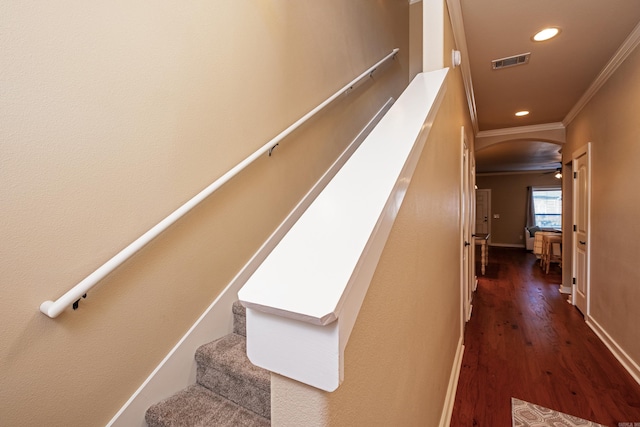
column 236, row 389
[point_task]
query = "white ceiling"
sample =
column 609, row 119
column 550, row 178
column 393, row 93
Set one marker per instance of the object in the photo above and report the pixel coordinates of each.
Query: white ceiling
column 560, row 71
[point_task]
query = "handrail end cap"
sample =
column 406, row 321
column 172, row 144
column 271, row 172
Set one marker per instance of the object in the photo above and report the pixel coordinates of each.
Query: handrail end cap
column 45, row 308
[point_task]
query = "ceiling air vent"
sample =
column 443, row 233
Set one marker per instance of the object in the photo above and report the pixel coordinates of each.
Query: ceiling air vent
column 511, row 61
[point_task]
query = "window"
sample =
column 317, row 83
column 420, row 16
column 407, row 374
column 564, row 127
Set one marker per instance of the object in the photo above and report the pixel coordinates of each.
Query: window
column 547, row 205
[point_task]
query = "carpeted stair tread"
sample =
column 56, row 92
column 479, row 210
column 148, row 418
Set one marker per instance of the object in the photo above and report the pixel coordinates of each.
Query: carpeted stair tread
column 239, row 319
column 197, row 406
column 229, row 389
column 223, row 367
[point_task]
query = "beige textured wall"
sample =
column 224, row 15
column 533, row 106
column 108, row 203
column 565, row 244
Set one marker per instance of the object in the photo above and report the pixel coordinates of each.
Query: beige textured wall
column 610, row 122
column 508, row 199
column 115, row 113
column 400, row 354
column 415, row 39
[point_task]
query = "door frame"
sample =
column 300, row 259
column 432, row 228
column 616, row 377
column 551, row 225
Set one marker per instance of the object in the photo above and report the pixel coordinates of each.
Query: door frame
column 467, row 224
column 472, row 220
column 488, row 192
column 584, row 150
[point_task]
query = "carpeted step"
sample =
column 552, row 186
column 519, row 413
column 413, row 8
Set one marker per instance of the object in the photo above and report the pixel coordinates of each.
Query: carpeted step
column 239, row 319
column 223, row 367
column 197, row 406
column 230, row 390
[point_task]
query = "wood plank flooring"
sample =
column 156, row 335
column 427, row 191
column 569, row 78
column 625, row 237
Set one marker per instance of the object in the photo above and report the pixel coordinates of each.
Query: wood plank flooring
column 525, row 341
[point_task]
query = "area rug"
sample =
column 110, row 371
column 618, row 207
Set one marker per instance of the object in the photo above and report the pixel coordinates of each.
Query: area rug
column 525, row 414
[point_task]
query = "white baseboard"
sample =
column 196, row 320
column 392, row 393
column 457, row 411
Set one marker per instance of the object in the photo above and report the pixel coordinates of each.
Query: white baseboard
column 178, row 369
column 507, row 245
column 565, row 290
column 450, row 398
column 627, row 362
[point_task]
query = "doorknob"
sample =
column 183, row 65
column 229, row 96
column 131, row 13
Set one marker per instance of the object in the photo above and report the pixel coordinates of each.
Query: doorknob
column 583, row 242
column 467, row 244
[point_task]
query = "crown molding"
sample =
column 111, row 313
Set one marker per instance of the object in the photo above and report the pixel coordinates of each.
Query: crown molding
column 630, row 43
column 520, row 130
column 527, row 172
column 457, row 24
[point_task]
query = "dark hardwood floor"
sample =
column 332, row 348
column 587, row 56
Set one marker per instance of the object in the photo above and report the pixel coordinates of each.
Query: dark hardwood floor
column 525, row 341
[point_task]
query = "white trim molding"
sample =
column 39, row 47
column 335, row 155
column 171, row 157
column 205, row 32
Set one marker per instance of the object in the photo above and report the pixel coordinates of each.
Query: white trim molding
column 631, row 42
column 565, row 290
column 514, row 131
column 303, row 301
column 450, row 398
column 554, row 133
column 527, row 172
column 508, row 245
column 627, row 362
column 584, row 150
column 455, row 14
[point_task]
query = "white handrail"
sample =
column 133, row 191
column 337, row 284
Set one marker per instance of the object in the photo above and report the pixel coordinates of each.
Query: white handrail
column 54, row 308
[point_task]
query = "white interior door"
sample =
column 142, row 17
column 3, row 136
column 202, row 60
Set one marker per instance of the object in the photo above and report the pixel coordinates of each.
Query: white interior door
column 483, row 208
column 472, row 215
column 581, row 201
column 467, row 243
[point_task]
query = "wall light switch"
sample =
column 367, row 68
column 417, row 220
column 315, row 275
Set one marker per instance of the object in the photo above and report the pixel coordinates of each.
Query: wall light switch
column 496, row 216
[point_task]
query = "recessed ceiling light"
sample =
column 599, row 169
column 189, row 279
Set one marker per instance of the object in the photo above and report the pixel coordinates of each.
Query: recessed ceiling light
column 546, row 34
column 522, row 113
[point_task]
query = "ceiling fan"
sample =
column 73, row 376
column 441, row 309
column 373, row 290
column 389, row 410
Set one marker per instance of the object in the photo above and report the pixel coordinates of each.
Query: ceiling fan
column 557, row 172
